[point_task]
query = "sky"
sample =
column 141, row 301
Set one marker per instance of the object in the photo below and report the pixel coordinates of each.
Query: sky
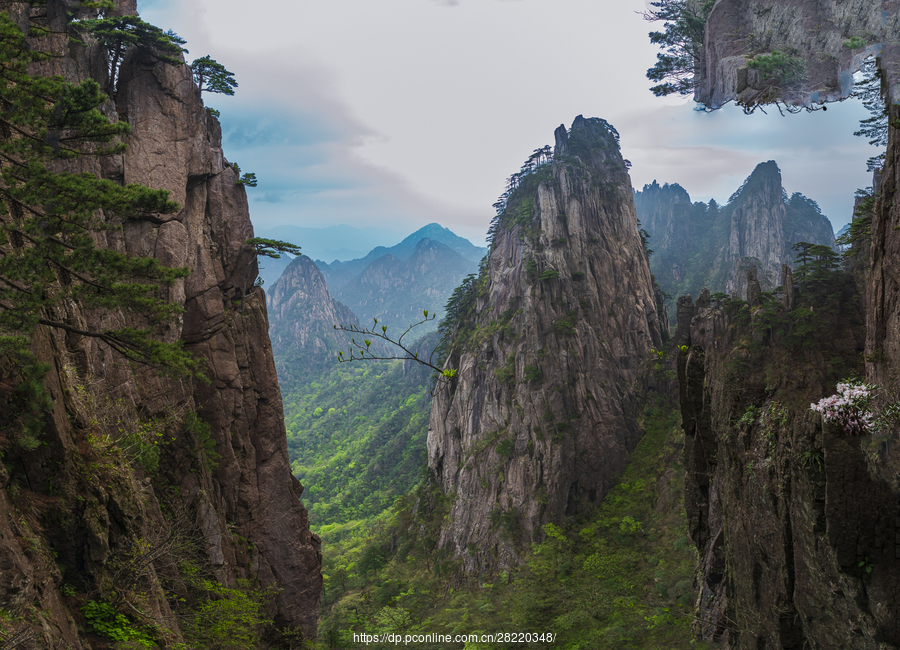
column 398, row 113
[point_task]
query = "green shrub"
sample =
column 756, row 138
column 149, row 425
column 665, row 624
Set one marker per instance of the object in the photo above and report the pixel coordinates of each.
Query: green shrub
column 855, row 43
column 565, row 325
column 206, row 445
column 225, row 618
column 507, row 374
column 532, row 373
column 103, row 620
column 778, row 68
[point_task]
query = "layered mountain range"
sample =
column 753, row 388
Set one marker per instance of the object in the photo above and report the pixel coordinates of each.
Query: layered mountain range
column 394, row 285
column 697, row 245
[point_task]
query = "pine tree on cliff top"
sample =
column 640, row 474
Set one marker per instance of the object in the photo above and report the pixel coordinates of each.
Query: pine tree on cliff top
column 50, row 220
column 118, row 33
column 212, row 77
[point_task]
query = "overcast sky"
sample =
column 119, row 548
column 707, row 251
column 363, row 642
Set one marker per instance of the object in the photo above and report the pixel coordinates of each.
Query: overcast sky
column 398, row 113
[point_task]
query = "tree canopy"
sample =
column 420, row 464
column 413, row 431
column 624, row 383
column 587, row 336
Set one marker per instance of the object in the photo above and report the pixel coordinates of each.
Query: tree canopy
column 118, row 33
column 272, row 247
column 681, row 42
column 875, row 127
column 212, row 77
column 50, row 219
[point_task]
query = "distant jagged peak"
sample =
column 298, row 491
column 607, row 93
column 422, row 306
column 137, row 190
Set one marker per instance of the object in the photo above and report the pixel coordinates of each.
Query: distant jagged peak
column 665, row 189
column 427, row 243
column 764, row 175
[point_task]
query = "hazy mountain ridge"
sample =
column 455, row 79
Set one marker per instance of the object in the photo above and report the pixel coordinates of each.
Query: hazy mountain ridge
column 302, row 316
column 332, row 242
column 396, row 291
column 699, row 245
column 340, row 273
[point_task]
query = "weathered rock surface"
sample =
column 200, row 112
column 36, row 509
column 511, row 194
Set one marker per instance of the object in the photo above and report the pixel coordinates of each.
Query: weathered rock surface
column 540, row 418
column 816, row 33
column 823, row 537
column 797, row 524
column 77, row 500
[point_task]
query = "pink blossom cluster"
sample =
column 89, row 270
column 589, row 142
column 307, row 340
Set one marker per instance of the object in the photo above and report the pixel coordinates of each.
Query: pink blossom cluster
column 849, row 408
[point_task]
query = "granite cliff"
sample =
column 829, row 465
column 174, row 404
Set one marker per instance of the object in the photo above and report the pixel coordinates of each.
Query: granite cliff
column 548, row 342
column 825, row 42
column 794, row 520
column 83, row 520
column 797, row 523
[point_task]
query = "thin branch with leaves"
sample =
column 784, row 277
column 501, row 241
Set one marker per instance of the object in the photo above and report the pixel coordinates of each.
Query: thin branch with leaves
column 362, row 350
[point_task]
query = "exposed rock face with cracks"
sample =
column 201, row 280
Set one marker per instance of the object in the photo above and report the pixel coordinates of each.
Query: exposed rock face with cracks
column 815, row 529
column 83, row 506
column 540, row 418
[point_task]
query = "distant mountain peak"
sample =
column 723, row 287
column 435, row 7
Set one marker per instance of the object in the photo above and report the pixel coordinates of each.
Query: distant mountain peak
column 339, row 274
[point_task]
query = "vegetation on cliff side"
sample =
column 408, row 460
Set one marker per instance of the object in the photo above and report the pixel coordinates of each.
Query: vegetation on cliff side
column 100, row 547
column 620, row 576
column 356, row 437
column 51, row 220
column 681, row 42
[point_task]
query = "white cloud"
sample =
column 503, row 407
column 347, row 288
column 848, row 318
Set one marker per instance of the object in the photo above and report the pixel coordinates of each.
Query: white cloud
column 399, row 111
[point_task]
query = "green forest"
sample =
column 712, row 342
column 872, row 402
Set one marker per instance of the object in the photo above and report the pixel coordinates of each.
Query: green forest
column 620, row 576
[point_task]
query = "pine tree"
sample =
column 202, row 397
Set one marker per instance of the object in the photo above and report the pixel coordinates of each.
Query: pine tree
column 50, row 219
column 211, row 76
column 119, row 33
column 681, row 42
column 875, row 127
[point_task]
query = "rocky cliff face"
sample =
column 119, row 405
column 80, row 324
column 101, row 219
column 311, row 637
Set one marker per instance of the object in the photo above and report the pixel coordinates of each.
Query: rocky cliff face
column 303, row 316
column 795, row 521
column 707, row 245
column 793, row 542
column 222, row 481
column 827, row 41
column 540, row 418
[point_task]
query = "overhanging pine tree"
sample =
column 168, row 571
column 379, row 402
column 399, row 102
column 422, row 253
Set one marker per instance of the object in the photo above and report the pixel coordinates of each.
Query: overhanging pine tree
column 212, row 77
column 49, row 219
